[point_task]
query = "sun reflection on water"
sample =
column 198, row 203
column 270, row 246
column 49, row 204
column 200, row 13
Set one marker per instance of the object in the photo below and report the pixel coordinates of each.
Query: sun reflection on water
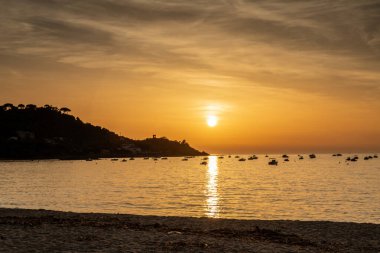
column 212, row 208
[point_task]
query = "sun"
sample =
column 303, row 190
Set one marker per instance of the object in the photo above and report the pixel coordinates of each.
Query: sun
column 212, row 120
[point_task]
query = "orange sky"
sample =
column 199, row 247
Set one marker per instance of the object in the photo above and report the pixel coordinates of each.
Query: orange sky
column 280, row 77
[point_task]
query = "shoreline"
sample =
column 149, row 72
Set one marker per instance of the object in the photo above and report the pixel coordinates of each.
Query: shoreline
column 150, row 155
column 30, row 230
column 80, row 158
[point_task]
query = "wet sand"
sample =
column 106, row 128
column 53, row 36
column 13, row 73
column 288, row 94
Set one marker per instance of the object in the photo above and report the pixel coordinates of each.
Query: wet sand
column 24, row 230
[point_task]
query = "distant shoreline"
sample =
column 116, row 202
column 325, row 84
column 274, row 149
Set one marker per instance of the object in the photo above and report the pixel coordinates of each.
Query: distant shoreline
column 46, row 231
column 119, row 156
column 94, row 158
column 85, row 157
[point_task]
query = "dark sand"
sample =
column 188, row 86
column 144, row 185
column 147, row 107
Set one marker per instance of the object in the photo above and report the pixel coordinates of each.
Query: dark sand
column 49, row 231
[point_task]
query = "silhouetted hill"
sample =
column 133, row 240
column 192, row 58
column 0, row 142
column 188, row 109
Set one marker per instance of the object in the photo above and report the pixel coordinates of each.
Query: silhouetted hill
column 31, row 132
column 164, row 147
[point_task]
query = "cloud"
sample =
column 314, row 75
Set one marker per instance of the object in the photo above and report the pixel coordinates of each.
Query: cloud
column 66, row 31
column 332, row 48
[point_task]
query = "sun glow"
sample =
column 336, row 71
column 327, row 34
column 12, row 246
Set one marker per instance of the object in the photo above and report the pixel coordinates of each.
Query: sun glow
column 212, row 120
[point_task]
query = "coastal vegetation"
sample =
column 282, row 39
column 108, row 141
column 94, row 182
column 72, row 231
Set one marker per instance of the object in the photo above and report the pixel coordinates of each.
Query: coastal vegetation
column 47, row 132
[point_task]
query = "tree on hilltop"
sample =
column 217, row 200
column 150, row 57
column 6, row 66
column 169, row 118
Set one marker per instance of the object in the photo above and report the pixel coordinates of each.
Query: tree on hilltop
column 65, row 110
column 8, row 106
column 31, row 107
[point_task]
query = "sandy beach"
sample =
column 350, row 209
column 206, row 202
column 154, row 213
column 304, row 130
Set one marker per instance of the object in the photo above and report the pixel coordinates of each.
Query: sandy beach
column 24, row 230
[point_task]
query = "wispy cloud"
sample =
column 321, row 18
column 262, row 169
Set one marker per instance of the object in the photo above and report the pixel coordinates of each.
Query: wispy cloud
column 329, row 47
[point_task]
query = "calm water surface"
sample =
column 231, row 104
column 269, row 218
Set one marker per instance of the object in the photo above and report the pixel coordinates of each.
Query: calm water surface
column 325, row 188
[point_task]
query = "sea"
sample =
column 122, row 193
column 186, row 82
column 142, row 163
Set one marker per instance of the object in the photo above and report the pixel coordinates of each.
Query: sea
column 325, row 188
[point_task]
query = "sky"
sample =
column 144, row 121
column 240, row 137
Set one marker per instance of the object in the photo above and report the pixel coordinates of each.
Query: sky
column 275, row 76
